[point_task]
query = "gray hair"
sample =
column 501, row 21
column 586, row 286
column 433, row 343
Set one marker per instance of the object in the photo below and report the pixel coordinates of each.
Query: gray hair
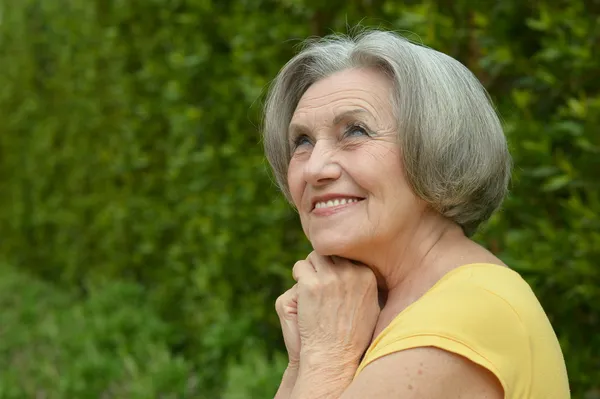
column 453, row 147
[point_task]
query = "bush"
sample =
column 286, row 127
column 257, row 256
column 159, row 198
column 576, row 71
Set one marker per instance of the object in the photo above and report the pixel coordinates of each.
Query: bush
column 129, row 152
column 110, row 345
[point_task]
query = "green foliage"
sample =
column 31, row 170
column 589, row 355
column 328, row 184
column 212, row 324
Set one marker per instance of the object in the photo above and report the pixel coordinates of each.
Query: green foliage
column 254, row 375
column 110, row 345
column 130, row 153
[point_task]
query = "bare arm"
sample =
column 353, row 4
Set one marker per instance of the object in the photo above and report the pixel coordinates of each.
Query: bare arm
column 287, row 383
column 320, row 378
column 410, row 374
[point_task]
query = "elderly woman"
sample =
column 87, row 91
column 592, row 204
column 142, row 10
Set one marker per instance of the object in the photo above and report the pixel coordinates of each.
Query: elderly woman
column 393, row 156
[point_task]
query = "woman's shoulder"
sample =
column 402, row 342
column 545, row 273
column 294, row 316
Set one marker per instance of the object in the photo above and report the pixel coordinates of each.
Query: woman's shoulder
column 494, row 296
column 491, row 276
column 472, row 304
column 486, row 283
column 486, row 313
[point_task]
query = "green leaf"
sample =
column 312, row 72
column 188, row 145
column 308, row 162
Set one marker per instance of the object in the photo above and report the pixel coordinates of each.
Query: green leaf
column 556, row 183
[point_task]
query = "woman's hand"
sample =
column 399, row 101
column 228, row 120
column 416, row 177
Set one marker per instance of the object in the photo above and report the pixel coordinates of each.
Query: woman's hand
column 337, row 308
column 287, row 310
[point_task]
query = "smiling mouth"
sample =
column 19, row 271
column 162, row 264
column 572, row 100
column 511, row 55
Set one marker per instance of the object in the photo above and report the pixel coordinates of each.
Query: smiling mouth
column 336, row 202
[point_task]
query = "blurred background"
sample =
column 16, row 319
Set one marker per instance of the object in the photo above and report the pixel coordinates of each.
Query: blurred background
column 142, row 240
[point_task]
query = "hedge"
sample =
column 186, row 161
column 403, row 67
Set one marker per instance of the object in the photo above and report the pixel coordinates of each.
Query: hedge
column 130, row 155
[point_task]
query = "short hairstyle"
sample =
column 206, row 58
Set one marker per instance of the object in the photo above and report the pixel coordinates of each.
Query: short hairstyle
column 453, row 147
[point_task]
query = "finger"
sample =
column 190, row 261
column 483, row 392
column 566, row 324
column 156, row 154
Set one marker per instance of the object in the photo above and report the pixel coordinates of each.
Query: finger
column 352, row 267
column 339, row 261
column 291, row 303
column 320, row 263
column 287, row 302
column 303, row 269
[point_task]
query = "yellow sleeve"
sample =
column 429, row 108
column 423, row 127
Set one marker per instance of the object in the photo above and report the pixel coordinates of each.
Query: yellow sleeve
column 467, row 320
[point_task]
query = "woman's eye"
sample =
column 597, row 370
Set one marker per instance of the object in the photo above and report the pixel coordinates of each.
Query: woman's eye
column 300, row 141
column 356, row 130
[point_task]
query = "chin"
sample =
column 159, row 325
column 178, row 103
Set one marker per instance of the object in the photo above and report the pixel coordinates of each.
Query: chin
column 344, row 247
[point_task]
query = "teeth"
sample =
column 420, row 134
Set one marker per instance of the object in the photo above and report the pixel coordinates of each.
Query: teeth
column 336, row 202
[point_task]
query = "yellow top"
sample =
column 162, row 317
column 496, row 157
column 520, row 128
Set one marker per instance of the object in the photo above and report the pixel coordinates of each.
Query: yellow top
column 490, row 315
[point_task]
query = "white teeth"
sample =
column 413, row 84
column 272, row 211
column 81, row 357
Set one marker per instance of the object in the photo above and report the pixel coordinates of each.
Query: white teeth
column 336, row 202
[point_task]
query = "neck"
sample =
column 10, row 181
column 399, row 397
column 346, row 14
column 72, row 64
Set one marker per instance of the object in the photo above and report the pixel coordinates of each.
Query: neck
column 412, row 265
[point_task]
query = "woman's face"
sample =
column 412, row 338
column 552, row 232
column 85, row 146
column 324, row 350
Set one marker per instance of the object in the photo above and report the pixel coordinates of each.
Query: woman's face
column 345, row 175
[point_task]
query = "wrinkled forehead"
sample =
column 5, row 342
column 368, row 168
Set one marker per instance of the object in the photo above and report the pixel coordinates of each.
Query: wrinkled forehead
column 346, row 92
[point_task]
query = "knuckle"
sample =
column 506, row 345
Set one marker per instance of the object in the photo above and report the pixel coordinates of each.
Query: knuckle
column 295, row 271
column 370, row 278
column 328, row 281
column 283, row 299
column 367, row 273
column 279, row 303
column 312, row 286
column 298, row 266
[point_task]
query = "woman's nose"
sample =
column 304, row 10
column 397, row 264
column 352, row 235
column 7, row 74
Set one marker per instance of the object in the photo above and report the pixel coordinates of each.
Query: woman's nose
column 322, row 167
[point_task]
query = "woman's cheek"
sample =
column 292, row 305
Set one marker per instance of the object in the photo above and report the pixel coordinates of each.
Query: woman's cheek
column 294, row 178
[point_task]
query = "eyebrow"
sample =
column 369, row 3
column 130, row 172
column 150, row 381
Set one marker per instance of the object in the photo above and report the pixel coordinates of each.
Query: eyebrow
column 297, row 128
column 344, row 115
